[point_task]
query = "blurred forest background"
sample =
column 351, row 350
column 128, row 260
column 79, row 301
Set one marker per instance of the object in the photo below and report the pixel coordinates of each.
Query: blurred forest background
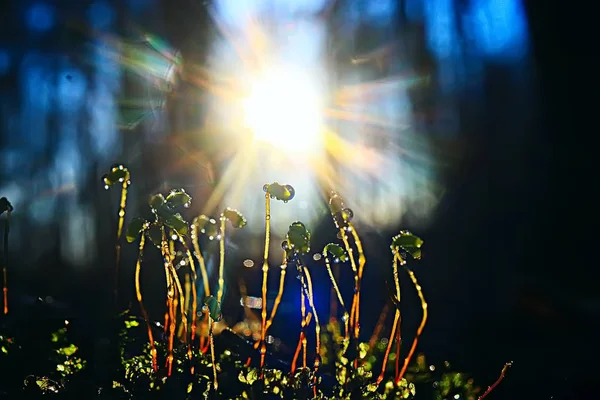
column 85, row 84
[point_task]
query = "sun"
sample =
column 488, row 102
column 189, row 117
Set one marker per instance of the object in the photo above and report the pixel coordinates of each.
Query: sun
column 284, row 109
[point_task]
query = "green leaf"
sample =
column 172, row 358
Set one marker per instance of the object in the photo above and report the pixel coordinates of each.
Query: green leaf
column 5, row 205
column 164, row 209
column 284, row 193
column 156, row 201
column 235, row 217
column 201, row 221
column 298, row 238
column 336, row 251
column 207, row 226
column 176, row 222
column 134, row 228
column 178, row 198
column 118, row 174
column 154, row 233
column 408, row 242
column 336, row 203
column 214, row 307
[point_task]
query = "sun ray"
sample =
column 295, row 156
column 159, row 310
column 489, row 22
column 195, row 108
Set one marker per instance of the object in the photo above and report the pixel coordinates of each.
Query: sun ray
column 228, row 177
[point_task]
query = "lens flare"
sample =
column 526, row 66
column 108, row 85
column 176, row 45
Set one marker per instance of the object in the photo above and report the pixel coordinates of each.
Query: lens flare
column 283, row 110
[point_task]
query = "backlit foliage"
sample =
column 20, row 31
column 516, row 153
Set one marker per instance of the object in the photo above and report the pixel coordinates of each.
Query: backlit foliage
column 183, row 360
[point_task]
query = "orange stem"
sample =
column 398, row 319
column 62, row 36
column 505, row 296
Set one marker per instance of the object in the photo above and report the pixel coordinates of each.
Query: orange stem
column 421, row 326
column 138, row 293
column 500, row 378
column 297, row 353
column 265, row 269
column 389, row 347
column 4, row 263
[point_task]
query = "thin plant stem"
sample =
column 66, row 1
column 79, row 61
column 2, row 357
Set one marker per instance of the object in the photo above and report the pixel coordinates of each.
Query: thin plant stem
column 301, row 342
column 188, row 296
column 204, row 346
column 303, row 323
column 314, row 311
column 181, row 300
column 421, row 326
column 277, row 298
column 297, row 352
column 361, row 265
column 345, row 316
column 172, row 328
column 122, row 206
column 379, row 326
column 388, row 348
column 212, row 352
column 221, row 259
column 180, row 293
column 171, row 295
column 500, row 378
column 201, row 261
column 398, row 340
column 398, row 336
column 138, row 293
column 203, row 272
column 194, row 277
column 317, row 362
column 396, row 318
column 5, row 263
column 279, row 293
column 265, row 270
column 350, row 252
column 333, row 298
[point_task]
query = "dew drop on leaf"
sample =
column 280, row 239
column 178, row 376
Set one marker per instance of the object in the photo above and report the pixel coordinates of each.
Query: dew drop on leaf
column 348, row 214
column 292, row 191
column 317, row 256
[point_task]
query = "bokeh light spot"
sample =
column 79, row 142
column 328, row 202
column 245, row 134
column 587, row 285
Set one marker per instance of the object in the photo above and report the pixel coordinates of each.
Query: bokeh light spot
column 40, row 17
column 101, row 15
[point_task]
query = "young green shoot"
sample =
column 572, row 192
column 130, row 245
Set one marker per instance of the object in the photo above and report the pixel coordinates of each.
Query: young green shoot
column 213, row 309
column 283, row 193
column 5, row 206
column 411, row 245
column 237, row 221
column 118, row 174
column 338, row 254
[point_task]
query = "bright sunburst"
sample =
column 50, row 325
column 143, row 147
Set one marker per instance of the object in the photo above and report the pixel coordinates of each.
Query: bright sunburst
column 276, row 115
column 284, row 110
